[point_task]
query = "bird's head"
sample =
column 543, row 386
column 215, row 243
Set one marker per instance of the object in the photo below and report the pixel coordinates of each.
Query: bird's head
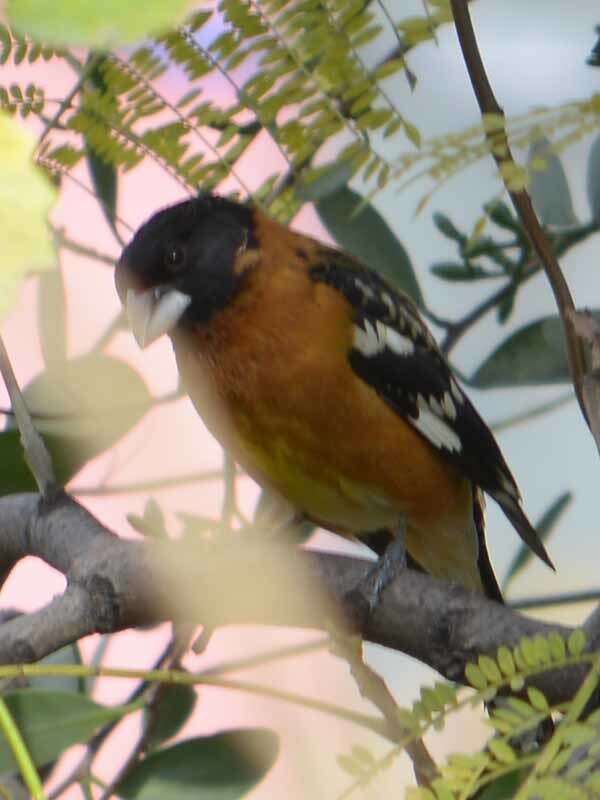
column 180, row 267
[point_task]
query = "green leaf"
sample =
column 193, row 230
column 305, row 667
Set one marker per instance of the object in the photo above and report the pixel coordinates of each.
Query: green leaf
column 576, row 773
column 548, row 186
column 517, row 683
column 533, row 355
column 367, row 236
column 5, row 44
column 506, row 661
column 95, row 397
column 593, row 179
column 542, row 649
column 52, row 317
column 92, row 24
column 521, row 707
column 502, row 751
column 442, row 790
column 66, row 656
column 556, row 644
column 537, row 699
column 475, row 677
column 273, row 513
column 593, row 782
column 15, row 475
column 578, row 733
column 388, row 68
column 490, row 669
column 445, row 226
column 454, row 271
column 544, row 527
column 506, row 305
column 102, row 172
column 173, row 709
column 81, row 408
column 446, row 693
column 221, row 767
column 576, row 642
column 504, row 788
column 152, row 522
column 349, row 766
column 418, row 793
column 363, row 755
column 507, row 716
column 430, row 700
column 26, row 197
column 50, row 722
column 529, row 652
column 503, row 217
column 320, row 182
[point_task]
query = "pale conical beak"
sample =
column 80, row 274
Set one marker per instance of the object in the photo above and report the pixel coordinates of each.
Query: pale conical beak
column 154, row 312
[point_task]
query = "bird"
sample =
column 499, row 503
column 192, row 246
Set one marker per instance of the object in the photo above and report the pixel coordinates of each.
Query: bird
column 323, row 382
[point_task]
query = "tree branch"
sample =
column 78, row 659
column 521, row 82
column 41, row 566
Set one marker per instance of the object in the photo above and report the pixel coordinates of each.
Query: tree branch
column 35, row 450
column 114, row 584
column 500, row 150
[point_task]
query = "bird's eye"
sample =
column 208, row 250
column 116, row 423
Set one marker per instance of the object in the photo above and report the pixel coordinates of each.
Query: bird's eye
column 174, row 258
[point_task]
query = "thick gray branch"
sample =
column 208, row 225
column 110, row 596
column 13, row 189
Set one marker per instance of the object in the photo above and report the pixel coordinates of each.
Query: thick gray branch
column 114, row 584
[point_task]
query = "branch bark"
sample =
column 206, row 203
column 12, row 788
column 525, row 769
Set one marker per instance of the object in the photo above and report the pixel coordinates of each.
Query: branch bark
column 502, row 154
column 113, row 584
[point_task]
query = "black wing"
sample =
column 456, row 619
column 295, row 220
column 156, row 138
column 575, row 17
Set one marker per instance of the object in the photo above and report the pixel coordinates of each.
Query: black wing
column 397, row 356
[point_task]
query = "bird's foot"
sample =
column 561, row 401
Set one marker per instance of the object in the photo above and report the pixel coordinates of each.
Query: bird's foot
column 363, row 600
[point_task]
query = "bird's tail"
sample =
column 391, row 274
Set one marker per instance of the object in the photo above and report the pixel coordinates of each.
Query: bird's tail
column 523, row 527
column 489, row 583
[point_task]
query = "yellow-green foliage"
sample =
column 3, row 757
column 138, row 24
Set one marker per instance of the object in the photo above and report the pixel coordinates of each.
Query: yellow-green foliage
column 298, row 72
column 306, row 84
column 567, row 766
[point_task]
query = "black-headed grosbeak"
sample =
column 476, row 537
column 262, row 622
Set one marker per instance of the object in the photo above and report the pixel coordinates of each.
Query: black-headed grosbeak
column 322, row 381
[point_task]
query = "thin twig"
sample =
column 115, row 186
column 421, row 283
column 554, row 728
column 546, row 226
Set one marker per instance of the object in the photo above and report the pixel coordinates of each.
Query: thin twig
column 457, row 329
column 115, row 325
column 66, row 102
column 83, row 768
column 20, row 752
column 146, row 486
column 540, row 410
column 36, row 454
column 501, row 152
column 266, row 658
column 229, row 507
column 589, row 330
column 75, row 416
column 546, row 601
column 155, row 694
column 372, row 687
column 400, row 50
column 75, row 247
column 551, row 750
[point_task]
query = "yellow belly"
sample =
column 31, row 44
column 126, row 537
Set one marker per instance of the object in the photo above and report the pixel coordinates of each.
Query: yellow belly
column 332, row 499
column 444, row 544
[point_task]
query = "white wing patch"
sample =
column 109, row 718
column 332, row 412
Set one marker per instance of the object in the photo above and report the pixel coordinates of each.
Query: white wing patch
column 435, row 429
column 365, row 289
column 509, row 487
column 389, row 303
column 375, row 337
column 456, row 392
column 448, row 406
